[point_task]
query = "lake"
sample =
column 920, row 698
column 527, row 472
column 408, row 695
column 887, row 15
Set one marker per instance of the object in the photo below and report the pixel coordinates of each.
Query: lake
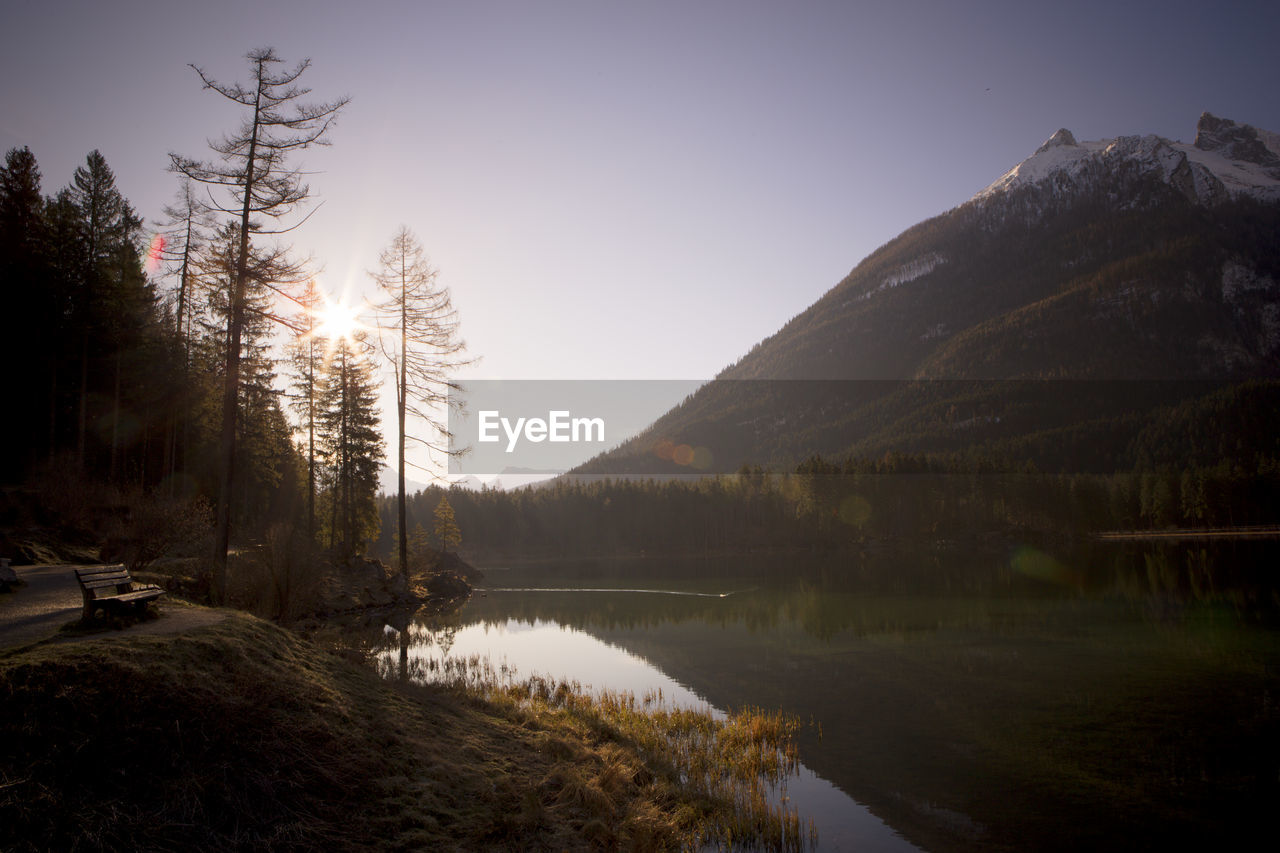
column 1114, row 697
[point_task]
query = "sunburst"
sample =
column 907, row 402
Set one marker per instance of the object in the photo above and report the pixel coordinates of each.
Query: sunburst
column 338, row 321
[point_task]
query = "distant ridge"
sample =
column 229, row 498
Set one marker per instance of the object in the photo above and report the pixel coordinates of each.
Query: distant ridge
column 389, row 482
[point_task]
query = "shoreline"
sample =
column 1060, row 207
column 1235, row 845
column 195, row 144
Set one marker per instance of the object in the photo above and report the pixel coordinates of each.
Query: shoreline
column 249, row 735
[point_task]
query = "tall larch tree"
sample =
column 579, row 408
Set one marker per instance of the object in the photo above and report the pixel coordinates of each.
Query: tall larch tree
column 419, row 338
column 186, row 229
column 186, row 232
column 254, row 165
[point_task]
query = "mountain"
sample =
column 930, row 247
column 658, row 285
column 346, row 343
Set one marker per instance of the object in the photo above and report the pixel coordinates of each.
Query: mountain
column 389, row 482
column 1087, row 287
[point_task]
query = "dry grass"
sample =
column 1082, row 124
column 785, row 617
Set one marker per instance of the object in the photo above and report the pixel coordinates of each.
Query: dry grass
column 242, row 736
column 633, row 773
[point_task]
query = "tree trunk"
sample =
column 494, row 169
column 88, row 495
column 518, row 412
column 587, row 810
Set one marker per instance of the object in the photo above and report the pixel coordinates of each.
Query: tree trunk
column 401, row 390
column 311, row 443
column 222, row 536
column 115, row 422
column 53, row 407
column 84, row 398
column 345, row 461
column 230, row 406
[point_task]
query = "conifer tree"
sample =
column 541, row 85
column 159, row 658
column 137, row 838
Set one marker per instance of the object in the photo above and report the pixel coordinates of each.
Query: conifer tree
column 22, row 219
column 351, row 446
column 446, row 527
column 419, row 546
column 29, row 303
column 107, row 298
column 263, row 446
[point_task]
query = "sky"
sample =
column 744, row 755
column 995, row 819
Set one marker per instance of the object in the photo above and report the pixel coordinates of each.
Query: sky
column 628, row 190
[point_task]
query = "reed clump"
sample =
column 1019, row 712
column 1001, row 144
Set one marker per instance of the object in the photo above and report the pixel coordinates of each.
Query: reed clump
column 674, row 777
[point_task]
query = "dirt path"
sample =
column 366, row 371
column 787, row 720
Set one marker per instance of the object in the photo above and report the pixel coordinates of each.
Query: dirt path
column 52, row 598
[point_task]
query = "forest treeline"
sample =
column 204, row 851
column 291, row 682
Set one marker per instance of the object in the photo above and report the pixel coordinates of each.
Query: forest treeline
column 115, row 379
column 825, row 506
column 1211, row 461
column 178, row 399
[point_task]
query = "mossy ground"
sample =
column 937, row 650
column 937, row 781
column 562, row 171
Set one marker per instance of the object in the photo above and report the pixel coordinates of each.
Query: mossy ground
column 243, row 736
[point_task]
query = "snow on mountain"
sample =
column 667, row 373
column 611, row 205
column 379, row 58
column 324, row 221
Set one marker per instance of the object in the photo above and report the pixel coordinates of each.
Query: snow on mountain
column 908, row 272
column 1226, row 160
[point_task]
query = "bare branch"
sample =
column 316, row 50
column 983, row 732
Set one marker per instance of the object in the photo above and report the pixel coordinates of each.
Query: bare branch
column 310, row 213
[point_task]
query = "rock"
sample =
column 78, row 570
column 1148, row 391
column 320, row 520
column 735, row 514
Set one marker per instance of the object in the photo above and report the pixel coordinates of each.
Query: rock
column 449, row 561
column 1234, row 141
column 377, row 596
column 8, row 577
column 369, row 572
column 448, row 585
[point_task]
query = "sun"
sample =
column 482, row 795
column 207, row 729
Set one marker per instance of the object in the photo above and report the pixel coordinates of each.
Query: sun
column 338, row 321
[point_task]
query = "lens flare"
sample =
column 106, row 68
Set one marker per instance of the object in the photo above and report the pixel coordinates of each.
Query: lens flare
column 687, row 455
column 702, row 458
column 1035, row 563
column 155, row 252
column 855, row 510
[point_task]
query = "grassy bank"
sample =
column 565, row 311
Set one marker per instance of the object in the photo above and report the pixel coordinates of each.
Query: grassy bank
column 242, row 735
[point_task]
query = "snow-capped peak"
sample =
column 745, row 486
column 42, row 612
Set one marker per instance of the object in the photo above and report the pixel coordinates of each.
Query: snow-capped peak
column 1227, row 159
column 1062, row 138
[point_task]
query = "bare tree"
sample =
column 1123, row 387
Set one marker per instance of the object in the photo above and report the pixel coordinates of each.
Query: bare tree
column 253, row 166
column 187, row 224
column 418, row 332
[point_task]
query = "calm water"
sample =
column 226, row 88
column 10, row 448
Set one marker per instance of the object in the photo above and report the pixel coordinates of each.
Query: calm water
column 1025, row 700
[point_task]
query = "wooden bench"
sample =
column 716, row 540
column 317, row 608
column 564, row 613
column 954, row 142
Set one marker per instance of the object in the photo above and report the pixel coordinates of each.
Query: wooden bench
column 112, row 586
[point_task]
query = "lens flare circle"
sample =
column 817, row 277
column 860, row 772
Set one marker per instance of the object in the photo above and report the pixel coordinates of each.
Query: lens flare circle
column 155, row 253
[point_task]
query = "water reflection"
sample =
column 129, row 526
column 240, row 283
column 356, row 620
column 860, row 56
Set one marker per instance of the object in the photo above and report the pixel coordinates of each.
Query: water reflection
column 515, row 649
column 1100, row 698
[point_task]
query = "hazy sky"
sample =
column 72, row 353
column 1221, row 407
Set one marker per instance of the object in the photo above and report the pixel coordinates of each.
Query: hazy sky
column 640, row 189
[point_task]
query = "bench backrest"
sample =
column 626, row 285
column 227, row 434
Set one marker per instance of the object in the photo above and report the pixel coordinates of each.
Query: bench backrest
column 100, row 577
